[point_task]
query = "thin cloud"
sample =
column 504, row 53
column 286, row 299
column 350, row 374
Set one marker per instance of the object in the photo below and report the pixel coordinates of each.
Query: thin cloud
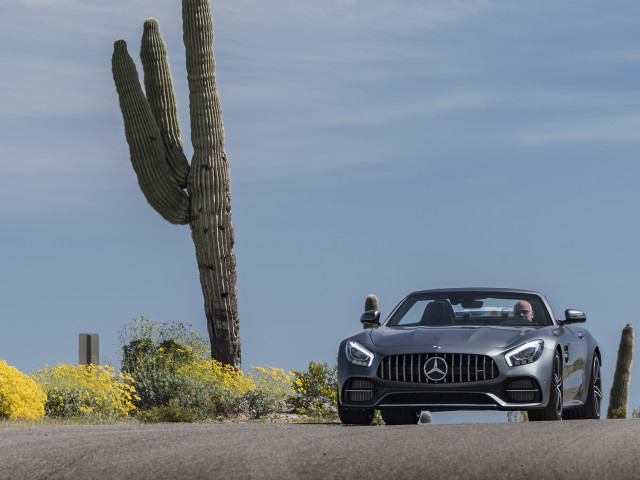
column 86, row 21
column 589, row 130
column 39, row 86
column 374, row 15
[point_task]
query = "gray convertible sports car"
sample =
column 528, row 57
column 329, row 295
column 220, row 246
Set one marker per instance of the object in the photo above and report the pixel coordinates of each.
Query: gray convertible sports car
column 470, row 349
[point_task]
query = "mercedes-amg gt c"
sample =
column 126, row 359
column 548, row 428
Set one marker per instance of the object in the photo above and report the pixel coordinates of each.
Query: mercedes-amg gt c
column 470, row 349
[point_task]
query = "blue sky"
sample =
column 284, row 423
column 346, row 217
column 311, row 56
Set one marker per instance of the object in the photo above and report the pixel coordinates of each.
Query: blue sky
column 375, row 147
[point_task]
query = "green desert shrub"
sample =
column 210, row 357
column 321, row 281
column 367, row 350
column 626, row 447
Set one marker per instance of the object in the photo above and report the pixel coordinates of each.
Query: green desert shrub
column 620, row 412
column 150, row 345
column 271, row 393
column 154, row 354
column 315, row 390
column 172, row 412
column 172, row 369
column 157, row 387
column 259, row 403
column 517, row 416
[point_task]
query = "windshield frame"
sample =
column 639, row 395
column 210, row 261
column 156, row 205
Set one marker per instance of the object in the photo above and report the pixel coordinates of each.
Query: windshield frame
column 543, row 315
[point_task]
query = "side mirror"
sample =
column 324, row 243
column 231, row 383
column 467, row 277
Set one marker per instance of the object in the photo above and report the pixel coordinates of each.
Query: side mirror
column 370, row 318
column 574, row 316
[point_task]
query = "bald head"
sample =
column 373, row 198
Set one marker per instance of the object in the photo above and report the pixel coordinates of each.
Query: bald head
column 523, row 309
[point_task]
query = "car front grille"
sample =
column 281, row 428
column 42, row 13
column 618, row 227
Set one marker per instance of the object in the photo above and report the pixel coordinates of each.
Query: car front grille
column 523, row 390
column 358, row 390
column 418, row 368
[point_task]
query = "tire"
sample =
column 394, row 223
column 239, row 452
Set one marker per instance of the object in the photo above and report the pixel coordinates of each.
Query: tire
column 591, row 409
column 400, row 416
column 553, row 410
column 355, row 416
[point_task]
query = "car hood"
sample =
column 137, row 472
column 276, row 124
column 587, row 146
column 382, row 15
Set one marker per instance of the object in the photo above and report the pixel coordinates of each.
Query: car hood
column 495, row 337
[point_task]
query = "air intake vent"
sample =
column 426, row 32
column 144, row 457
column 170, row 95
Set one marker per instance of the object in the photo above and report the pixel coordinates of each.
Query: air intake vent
column 439, row 399
column 448, row 368
column 523, row 390
column 358, row 390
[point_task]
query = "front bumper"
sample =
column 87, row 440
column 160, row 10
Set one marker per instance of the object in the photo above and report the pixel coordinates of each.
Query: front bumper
column 507, row 388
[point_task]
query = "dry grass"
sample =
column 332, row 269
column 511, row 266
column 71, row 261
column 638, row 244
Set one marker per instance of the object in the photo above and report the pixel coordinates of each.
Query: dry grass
column 57, row 422
column 95, row 420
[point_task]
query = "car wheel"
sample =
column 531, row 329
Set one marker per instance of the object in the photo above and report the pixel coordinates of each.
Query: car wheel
column 400, row 416
column 355, row 416
column 553, row 410
column 591, row 409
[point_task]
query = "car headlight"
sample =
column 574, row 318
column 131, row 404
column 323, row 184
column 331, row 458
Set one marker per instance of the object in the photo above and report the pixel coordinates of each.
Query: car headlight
column 524, row 354
column 358, row 355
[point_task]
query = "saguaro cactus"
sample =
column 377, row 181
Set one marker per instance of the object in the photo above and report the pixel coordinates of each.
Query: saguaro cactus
column 371, row 303
column 197, row 194
column 619, row 396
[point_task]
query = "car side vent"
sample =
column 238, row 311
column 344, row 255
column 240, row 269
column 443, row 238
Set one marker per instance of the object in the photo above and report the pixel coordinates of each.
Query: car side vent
column 358, row 390
column 438, row 368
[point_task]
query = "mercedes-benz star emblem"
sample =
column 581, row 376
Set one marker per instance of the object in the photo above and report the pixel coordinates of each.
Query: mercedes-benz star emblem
column 435, row 368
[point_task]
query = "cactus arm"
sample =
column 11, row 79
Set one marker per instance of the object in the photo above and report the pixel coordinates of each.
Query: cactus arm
column 145, row 145
column 209, row 186
column 207, row 133
column 160, row 94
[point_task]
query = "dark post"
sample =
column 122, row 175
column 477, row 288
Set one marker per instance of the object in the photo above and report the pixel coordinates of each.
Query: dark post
column 89, row 352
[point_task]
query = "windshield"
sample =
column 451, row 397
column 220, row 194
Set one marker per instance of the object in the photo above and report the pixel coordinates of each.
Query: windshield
column 470, row 309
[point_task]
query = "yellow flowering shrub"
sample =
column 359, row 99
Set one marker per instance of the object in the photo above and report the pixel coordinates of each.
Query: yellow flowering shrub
column 210, row 371
column 217, row 388
column 147, row 344
column 85, row 390
column 174, row 375
column 20, row 396
column 271, row 379
column 270, row 392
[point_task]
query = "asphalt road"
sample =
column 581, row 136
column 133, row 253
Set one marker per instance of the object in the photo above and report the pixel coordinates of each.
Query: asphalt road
column 565, row 450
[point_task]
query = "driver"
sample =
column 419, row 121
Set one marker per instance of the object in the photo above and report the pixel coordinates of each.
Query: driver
column 523, row 309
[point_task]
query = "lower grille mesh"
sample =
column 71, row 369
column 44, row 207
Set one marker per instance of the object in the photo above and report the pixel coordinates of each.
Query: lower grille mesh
column 358, row 390
column 460, row 368
column 438, row 398
column 524, row 390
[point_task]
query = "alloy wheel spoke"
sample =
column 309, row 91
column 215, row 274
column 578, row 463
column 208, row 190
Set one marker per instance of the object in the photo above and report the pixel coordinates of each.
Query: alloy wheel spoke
column 557, row 376
column 597, row 386
column 597, row 392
